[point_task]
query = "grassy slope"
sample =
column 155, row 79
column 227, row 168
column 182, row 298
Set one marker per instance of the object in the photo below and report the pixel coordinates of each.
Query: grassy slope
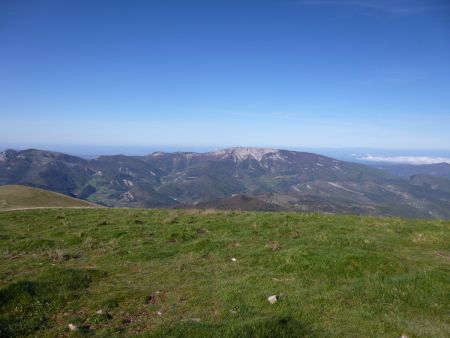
column 338, row 276
column 20, row 197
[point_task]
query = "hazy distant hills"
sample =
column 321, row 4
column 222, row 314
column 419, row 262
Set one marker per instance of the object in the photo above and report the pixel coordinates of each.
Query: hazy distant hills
column 269, row 178
column 408, row 170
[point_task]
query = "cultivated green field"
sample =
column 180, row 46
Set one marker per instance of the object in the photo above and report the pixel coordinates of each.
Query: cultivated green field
column 171, row 273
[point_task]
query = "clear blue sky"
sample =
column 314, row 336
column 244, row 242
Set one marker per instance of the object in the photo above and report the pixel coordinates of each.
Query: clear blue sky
column 324, row 73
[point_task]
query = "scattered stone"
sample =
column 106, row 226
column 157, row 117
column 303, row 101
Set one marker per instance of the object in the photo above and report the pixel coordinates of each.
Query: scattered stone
column 273, row 299
column 233, row 259
column 194, row 319
column 100, row 312
column 274, row 246
column 72, row 327
column 404, row 336
column 287, row 279
column 159, row 313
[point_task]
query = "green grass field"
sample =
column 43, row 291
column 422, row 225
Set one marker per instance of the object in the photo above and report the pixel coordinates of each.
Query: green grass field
column 169, row 273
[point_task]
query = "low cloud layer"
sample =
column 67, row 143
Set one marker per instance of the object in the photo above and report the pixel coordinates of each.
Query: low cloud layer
column 415, row 160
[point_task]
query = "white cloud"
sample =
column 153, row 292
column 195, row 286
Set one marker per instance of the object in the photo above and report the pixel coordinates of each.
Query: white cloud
column 414, row 160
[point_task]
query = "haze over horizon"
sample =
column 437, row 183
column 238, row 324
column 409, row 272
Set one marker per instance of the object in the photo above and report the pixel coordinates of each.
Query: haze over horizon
column 202, row 74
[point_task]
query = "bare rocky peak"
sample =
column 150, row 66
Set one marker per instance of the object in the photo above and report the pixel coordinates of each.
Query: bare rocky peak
column 237, row 153
column 242, row 153
column 157, row 153
column 7, row 154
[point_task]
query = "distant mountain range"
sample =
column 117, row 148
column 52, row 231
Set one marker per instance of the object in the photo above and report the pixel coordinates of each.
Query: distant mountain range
column 408, row 170
column 235, row 178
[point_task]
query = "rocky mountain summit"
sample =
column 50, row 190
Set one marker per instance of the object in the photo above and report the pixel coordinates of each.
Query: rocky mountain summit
column 243, row 153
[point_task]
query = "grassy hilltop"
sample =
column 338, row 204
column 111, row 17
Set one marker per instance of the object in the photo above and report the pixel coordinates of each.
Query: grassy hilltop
column 172, row 273
column 22, row 197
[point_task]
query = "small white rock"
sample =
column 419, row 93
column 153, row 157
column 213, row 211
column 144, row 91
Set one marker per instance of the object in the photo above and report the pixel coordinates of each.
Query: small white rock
column 72, row 327
column 404, row 336
column 159, row 313
column 273, row 299
column 100, row 312
column 233, row 259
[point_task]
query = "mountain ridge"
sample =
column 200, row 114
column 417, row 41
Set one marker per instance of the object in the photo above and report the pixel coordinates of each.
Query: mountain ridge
column 292, row 180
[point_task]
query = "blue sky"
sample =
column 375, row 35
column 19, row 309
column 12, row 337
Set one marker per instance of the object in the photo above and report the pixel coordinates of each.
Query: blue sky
column 324, row 73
